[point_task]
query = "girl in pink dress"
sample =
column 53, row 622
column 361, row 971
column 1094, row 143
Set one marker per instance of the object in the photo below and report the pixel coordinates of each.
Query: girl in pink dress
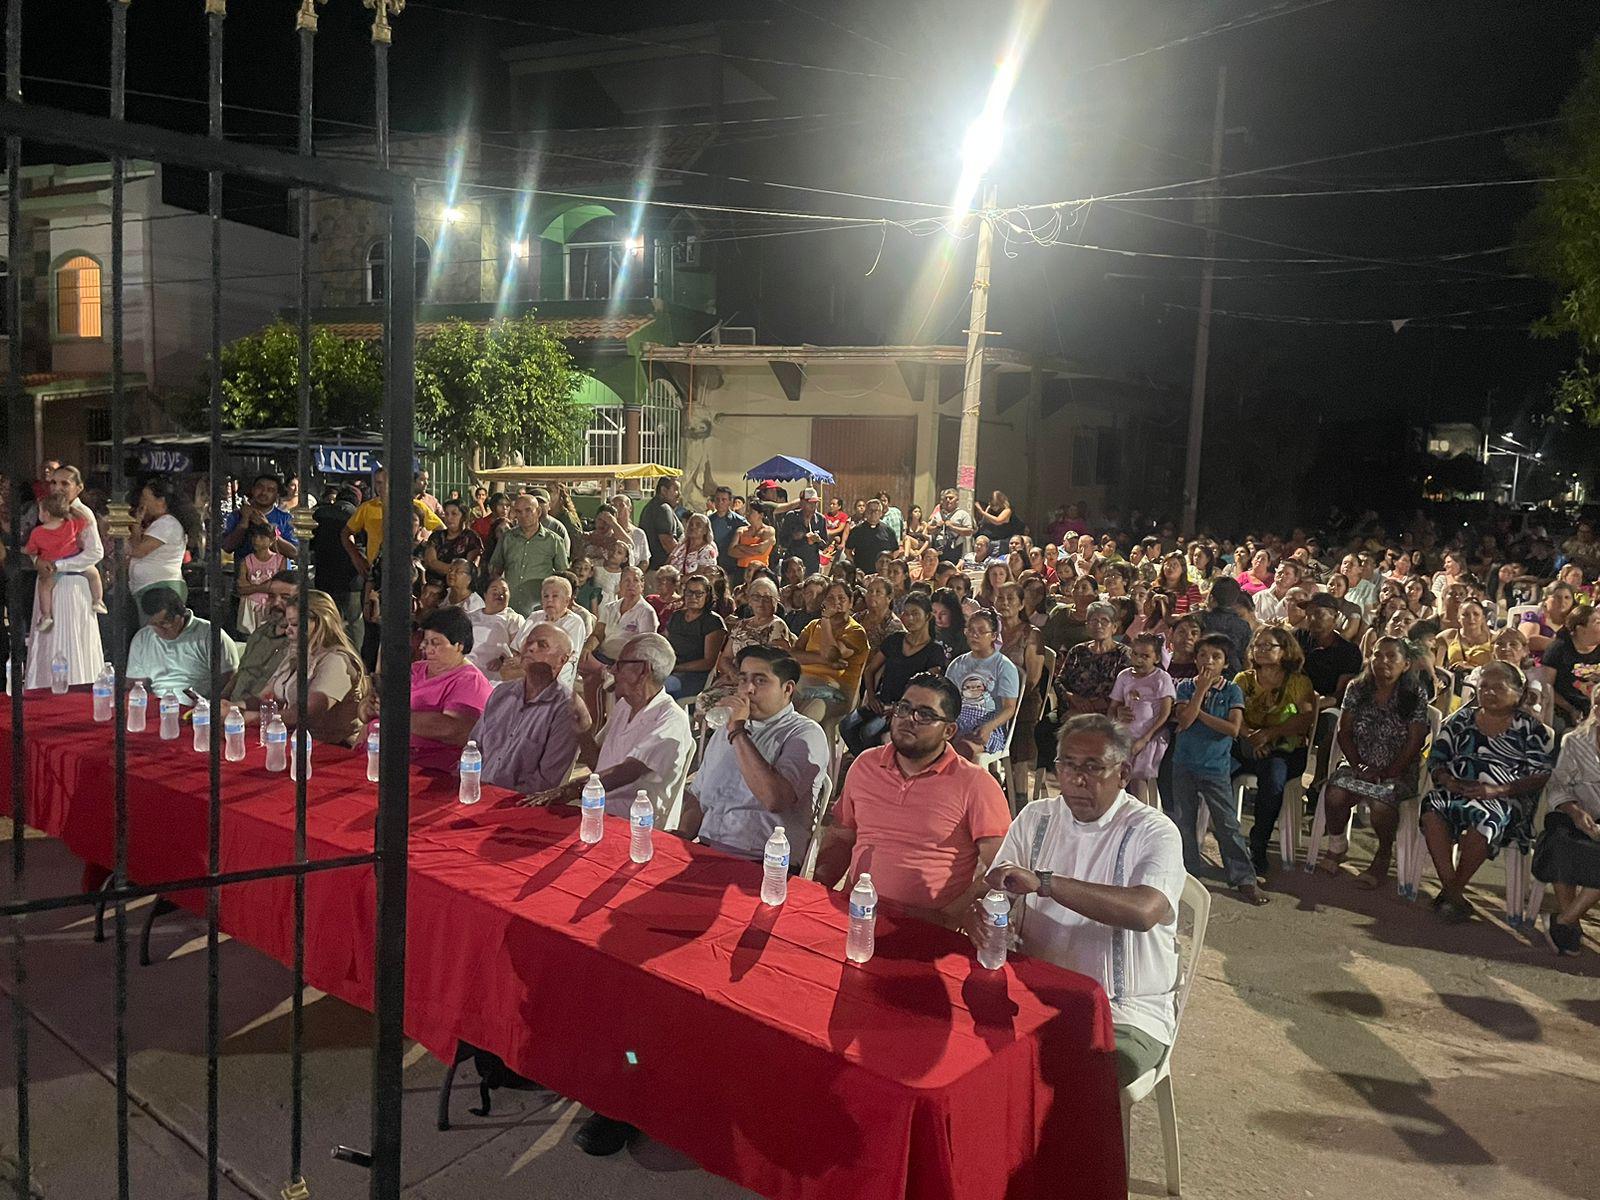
column 256, row 570
column 1141, row 699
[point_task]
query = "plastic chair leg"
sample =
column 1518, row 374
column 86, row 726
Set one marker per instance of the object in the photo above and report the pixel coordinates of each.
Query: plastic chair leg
column 160, row 908
column 1127, row 1138
column 1294, row 809
column 1167, row 1110
column 1319, row 829
column 463, row 1052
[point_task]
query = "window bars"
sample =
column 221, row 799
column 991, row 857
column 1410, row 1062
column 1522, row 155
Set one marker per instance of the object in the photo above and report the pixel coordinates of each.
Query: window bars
column 119, row 140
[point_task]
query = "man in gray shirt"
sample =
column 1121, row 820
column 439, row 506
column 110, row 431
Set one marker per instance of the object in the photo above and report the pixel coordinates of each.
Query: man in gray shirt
column 768, row 768
column 529, row 728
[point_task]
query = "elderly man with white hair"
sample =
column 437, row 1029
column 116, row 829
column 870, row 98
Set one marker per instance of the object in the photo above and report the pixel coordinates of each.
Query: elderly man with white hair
column 555, row 598
column 528, row 732
column 647, row 743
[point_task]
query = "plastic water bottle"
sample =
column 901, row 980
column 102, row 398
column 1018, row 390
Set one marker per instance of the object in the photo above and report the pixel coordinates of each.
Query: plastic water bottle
column 233, row 727
column 269, row 708
column 105, row 694
column 372, row 753
column 58, row 674
column 641, row 828
column 593, row 826
column 277, row 739
column 169, row 717
column 860, row 942
column 202, row 725
column 303, row 736
column 717, row 716
column 996, row 931
column 471, row 789
column 138, row 702
column 775, row 868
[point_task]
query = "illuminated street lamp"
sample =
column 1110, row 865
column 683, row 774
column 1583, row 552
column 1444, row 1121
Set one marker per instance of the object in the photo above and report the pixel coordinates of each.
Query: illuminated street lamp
column 979, row 149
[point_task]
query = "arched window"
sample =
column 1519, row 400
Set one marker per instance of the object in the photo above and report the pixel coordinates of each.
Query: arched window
column 378, row 270
column 78, row 298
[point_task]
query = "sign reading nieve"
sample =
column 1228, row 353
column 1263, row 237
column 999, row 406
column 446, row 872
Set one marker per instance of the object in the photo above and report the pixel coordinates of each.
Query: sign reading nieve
column 165, row 462
column 345, row 460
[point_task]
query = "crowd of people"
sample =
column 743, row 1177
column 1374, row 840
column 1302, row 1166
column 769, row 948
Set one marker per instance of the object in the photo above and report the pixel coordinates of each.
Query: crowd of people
column 865, row 676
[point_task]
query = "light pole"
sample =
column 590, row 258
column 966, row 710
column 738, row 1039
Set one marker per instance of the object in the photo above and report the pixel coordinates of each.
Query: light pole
column 978, row 153
column 972, row 391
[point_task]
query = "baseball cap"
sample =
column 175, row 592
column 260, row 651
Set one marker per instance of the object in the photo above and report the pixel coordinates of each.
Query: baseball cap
column 809, row 494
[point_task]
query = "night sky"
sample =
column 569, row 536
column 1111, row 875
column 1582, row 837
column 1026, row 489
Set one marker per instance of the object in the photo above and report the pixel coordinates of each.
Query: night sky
column 1105, row 104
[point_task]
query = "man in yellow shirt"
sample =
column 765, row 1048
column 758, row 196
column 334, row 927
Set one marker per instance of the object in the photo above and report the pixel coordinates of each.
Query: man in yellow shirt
column 368, row 520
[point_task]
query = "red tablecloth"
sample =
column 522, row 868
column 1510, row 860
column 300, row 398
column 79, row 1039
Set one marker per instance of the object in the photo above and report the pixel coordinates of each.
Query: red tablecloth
column 665, row 994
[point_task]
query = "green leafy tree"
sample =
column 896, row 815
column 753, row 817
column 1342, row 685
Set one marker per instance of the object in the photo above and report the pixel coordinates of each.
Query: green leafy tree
column 1564, row 233
column 507, row 387
column 261, row 388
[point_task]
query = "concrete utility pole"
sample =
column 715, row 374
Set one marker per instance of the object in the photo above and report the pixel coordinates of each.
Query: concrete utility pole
column 972, row 393
column 1202, row 337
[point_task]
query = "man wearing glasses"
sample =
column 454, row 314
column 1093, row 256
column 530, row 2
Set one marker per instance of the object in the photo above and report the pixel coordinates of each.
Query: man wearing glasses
column 645, row 744
column 922, row 820
column 1100, row 875
column 768, row 768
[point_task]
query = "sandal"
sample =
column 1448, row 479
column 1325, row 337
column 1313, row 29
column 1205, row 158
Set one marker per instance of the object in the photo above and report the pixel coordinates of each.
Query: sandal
column 1252, row 895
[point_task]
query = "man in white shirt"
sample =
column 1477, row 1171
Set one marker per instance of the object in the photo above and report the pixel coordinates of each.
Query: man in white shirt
column 1100, row 875
column 646, row 744
column 768, row 767
column 1271, row 603
column 555, row 597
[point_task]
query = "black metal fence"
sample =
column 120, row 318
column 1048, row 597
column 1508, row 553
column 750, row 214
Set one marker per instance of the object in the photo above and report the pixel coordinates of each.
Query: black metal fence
column 118, row 140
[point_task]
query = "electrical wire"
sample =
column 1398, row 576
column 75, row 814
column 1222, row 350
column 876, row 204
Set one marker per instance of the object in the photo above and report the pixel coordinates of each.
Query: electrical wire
column 637, row 41
column 1286, row 8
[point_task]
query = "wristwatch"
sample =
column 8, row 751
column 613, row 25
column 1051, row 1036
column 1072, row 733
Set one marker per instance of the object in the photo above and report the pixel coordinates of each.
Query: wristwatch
column 1045, row 878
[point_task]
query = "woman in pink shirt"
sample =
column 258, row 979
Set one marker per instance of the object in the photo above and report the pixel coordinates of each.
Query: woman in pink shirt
column 448, row 693
column 1259, row 575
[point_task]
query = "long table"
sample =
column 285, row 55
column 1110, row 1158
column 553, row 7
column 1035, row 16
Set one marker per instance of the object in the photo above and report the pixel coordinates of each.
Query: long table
column 665, row 994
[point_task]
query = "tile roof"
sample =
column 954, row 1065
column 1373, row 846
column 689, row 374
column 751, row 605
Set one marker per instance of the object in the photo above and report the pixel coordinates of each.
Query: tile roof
column 570, row 329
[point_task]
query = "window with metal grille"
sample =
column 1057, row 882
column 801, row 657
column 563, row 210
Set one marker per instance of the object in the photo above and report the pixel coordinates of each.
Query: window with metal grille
column 78, row 298
column 378, row 270
column 602, row 440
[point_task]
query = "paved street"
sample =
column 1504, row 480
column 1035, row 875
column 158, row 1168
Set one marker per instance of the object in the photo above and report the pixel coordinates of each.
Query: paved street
column 1337, row 1044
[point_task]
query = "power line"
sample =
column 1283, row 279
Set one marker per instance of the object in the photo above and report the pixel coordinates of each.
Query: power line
column 845, row 29
column 1432, row 321
column 1208, row 180
column 637, row 41
column 1286, row 8
column 1375, row 190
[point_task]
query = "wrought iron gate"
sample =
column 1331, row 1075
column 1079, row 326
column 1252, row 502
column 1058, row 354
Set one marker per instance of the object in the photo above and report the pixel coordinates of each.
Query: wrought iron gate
column 120, row 141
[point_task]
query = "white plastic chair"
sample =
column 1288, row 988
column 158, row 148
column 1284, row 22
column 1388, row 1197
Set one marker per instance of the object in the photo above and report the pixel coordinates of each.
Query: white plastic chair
column 1411, row 849
column 1524, row 893
column 1325, row 738
column 1519, row 613
column 1000, row 758
column 1197, row 901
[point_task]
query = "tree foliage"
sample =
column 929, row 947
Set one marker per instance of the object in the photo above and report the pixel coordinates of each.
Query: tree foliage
column 509, row 386
column 1564, row 236
column 261, row 380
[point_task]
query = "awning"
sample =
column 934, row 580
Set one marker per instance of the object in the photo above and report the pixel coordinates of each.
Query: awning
column 628, row 471
column 786, row 466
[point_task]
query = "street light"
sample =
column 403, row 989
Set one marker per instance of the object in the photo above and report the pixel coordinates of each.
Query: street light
column 979, row 149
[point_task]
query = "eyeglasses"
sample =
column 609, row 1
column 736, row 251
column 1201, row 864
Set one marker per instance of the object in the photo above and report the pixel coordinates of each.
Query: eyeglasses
column 1093, row 769
column 917, row 716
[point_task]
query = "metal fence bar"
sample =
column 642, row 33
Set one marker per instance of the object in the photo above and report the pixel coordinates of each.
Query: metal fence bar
column 17, row 405
column 216, row 11
column 390, row 834
column 306, row 27
column 195, row 883
column 119, row 648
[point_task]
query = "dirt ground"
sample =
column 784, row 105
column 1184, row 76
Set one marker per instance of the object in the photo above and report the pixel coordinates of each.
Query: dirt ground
column 1337, row 1044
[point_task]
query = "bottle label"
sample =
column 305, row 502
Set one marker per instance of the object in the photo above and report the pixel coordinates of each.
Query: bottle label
column 863, row 912
column 646, row 821
column 997, row 920
column 471, row 768
column 777, row 860
column 276, row 738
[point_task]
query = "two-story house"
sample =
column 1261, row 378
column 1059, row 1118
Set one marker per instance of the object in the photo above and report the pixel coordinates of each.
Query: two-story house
column 66, row 300
column 609, row 276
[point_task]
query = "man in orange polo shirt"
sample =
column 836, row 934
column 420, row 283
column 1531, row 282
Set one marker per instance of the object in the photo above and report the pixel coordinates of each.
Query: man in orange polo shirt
column 921, row 819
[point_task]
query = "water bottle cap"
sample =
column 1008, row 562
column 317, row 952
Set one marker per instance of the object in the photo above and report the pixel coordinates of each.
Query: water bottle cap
column 776, row 830
column 864, row 877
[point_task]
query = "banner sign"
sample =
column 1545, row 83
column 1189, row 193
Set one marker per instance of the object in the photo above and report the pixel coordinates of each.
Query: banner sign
column 165, row 462
column 345, row 460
